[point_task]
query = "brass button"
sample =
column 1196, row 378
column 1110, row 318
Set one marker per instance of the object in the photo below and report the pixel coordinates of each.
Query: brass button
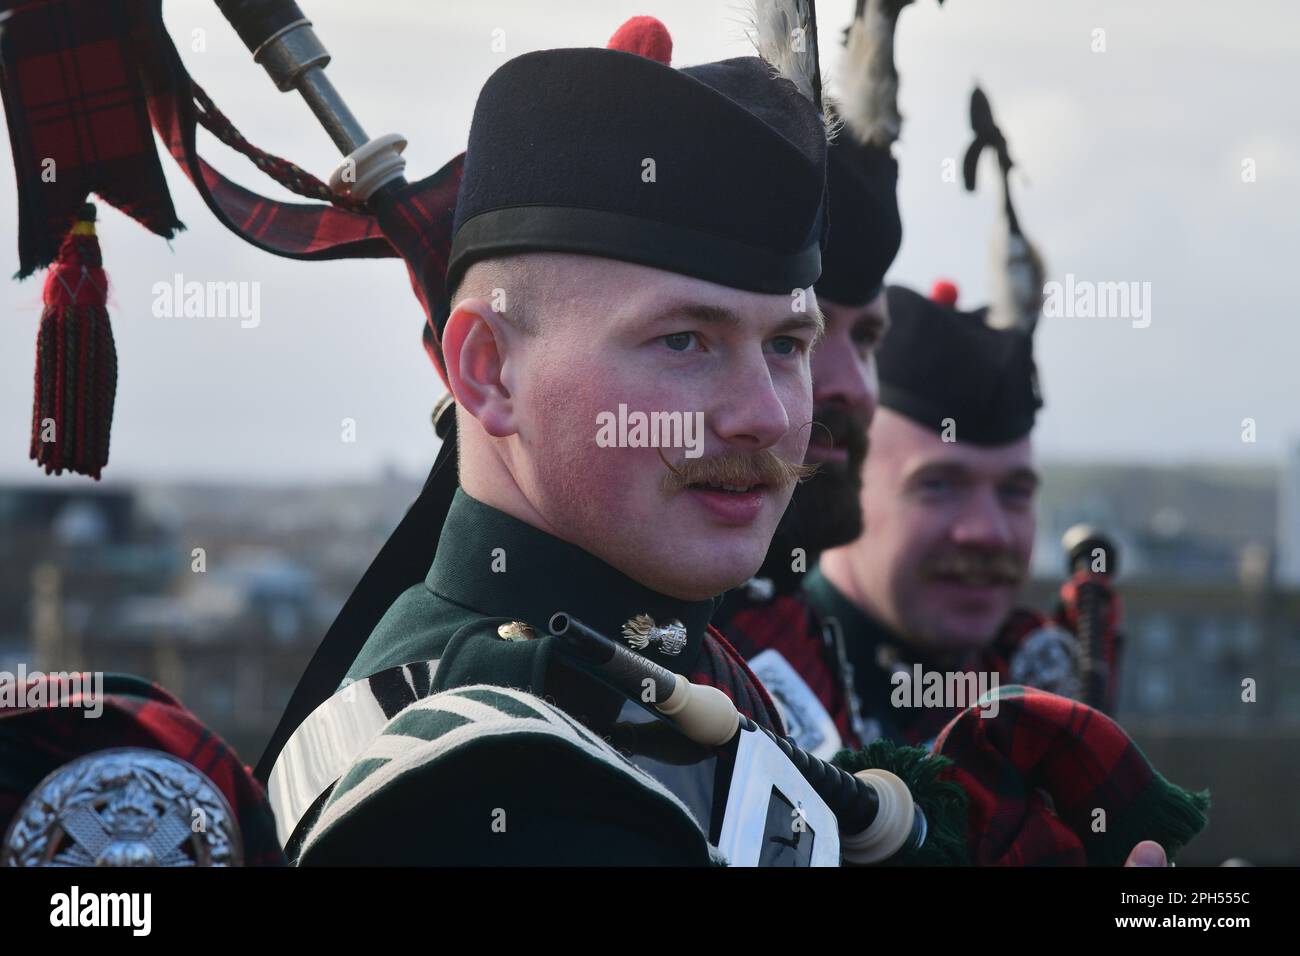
column 516, row 631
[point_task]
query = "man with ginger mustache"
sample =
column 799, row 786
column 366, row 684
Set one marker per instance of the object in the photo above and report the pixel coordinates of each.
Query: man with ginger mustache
column 947, row 504
column 947, row 585
column 948, row 510
column 578, row 285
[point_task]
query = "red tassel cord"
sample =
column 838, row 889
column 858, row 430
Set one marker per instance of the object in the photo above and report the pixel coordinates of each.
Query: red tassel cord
column 76, row 360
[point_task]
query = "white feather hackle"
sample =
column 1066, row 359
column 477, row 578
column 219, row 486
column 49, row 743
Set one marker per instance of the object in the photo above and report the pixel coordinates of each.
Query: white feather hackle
column 866, row 81
column 1018, row 276
column 781, row 33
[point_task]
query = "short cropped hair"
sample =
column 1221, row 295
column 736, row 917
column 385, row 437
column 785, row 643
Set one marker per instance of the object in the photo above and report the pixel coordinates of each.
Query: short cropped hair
column 511, row 284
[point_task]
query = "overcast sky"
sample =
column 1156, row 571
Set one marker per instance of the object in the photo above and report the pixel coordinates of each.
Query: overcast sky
column 1130, row 169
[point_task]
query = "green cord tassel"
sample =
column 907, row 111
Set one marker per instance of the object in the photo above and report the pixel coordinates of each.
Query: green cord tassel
column 943, row 801
column 1163, row 812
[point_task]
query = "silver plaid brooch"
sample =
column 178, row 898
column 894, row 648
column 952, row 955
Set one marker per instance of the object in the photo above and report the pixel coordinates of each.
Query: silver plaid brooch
column 126, row 806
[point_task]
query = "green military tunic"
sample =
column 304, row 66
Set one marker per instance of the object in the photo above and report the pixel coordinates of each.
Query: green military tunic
column 880, row 660
column 491, row 569
column 485, row 771
column 873, row 653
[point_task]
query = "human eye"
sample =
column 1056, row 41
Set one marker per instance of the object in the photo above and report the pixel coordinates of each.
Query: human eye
column 788, row 345
column 866, row 345
column 936, row 485
column 1018, row 496
column 866, row 336
column 679, row 341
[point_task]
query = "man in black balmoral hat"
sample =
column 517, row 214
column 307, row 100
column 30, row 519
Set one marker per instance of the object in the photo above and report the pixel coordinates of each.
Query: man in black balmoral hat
column 931, row 586
column 619, row 253
column 948, row 496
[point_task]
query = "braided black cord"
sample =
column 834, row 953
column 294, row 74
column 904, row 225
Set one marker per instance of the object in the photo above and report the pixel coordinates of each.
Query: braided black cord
column 853, row 802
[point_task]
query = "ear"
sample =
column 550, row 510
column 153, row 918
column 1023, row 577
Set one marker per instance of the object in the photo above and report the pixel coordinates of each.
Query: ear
column 475, row 343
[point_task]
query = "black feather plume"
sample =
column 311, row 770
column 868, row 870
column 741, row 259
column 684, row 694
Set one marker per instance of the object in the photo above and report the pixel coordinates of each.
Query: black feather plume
column 987, row 135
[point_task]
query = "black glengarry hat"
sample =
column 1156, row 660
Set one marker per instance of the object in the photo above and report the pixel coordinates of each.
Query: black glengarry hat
column 714, row 171
column 938, row 363
column 865, row 228
column 861, row 173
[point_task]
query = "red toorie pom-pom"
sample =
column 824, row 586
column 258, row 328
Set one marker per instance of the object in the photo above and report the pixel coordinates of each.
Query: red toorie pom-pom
column 945, row 293
column 644, row 36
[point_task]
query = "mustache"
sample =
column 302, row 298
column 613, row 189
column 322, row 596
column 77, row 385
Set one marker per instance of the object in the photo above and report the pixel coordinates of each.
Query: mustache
column 845, row 428
column 977, row 567
column 762, row 467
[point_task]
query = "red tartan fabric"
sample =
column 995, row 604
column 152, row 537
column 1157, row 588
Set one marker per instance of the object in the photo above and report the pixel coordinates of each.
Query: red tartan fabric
column 721, row 665
column 73, row 85
column 789, row 625
column 83, row 80
column 1036, row 775
column 36, row 741
column 415, row 225
column 418, row 224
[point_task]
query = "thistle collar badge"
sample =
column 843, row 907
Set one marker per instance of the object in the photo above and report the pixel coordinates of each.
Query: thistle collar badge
column 641, row 633
column 516, row 631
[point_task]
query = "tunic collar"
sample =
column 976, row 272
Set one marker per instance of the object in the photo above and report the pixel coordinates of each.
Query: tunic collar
column 499, row 566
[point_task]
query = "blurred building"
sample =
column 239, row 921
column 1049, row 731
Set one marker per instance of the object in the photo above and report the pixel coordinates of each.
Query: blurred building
column 1210, row 681
column 220, row 594
column 1288, row 523
column 1205, row 607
